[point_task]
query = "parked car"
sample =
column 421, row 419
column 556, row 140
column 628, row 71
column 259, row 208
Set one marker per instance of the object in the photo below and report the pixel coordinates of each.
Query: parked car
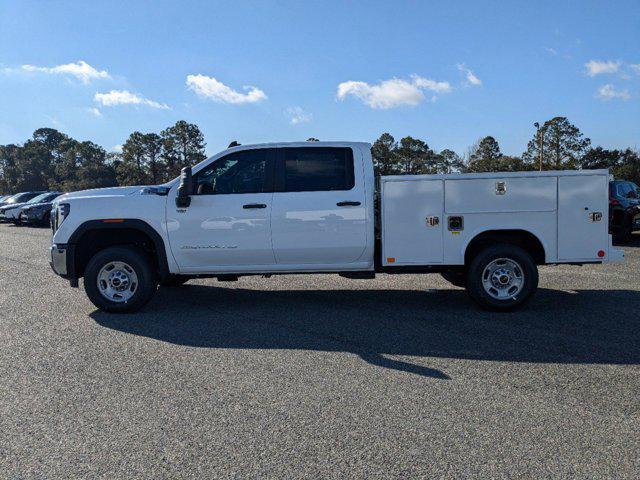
column 309, row 207
column 624, row 209
column 37, row 212
column 3, row 198
column 9, row 212
column 18, row 198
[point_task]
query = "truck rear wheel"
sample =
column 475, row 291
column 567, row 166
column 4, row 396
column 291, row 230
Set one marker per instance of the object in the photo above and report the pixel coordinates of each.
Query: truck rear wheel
column 120, row 279
column 502, row 277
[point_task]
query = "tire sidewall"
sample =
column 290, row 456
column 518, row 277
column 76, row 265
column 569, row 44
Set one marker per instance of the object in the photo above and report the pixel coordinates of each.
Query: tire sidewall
column 137, row 260
column 479, row 263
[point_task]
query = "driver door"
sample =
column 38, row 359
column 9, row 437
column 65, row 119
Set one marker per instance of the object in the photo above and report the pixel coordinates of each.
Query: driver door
column 227, row 226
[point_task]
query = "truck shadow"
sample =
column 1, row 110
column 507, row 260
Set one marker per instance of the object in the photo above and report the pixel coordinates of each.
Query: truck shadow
column 585, row 326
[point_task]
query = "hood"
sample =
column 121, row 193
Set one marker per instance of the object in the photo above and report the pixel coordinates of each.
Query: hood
column 39, row 205
column 11, row 206
column 101, row 192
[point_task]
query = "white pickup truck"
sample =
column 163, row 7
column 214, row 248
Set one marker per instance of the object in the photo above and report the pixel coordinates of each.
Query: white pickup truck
column 316, row 207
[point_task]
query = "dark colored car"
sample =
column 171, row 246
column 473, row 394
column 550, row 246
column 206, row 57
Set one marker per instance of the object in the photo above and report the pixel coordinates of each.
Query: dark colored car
column 624, row 209
column 38, row 213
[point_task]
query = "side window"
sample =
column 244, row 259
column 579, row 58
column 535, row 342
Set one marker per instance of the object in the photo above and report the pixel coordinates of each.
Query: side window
column 240, row 172
column 318, row 168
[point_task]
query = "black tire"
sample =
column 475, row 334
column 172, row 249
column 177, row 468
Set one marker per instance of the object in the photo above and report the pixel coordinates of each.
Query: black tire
column 456, row 278
column 146, row 279
column 528, row 271
column 174, row 281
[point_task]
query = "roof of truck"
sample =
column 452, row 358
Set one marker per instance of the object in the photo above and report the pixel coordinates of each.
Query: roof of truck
column 298, row 144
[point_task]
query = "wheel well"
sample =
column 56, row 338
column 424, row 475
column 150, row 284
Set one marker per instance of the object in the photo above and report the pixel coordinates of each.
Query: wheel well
column 522, row 238
column 94, row 240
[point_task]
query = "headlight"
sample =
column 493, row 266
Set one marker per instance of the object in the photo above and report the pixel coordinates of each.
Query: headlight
column 62, row 212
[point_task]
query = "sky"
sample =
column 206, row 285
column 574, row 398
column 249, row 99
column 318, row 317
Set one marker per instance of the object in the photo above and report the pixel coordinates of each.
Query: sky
column 446, row 72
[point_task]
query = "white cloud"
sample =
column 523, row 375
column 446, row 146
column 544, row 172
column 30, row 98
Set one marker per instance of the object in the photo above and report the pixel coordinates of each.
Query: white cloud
column 428, row 84
column 469, row 75
column 392, row 93
column 297, row 115
column 635, row 67
column 597, row 67
column 608, row 92
column 81, row 70
column 95, row 112
column 124, row 97
column 213, row 89
column 117, row 149
column 551, row 51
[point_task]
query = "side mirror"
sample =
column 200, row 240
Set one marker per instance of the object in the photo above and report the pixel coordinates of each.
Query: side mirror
column 185, row 189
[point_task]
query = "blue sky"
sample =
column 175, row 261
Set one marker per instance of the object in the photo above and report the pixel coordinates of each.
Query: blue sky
column 445, row 72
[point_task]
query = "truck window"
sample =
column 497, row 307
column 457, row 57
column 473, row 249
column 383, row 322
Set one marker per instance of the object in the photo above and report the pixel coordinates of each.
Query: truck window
column 317, row 169
column 239, row 172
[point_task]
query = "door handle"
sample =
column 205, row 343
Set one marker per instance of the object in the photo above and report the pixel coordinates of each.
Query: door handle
column 348, row 204
column 254, row 205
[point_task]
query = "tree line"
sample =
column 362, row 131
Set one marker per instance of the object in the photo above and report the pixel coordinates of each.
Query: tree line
column 51, row 160
column 557, row 145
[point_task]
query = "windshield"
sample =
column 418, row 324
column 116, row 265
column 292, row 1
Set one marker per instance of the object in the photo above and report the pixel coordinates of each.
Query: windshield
column 45, row 197
column 15, row 198
column 628, row 190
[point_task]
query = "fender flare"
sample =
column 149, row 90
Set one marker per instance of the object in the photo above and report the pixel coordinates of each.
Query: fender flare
column 534, row 232
column 129, row 223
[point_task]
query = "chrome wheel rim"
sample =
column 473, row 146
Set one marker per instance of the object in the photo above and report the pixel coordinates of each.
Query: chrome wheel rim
column 503, row 278
column 117, row 282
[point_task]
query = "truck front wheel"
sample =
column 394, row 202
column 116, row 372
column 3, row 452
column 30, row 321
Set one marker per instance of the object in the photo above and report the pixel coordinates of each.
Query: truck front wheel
column 120, row 279
column 502, row 277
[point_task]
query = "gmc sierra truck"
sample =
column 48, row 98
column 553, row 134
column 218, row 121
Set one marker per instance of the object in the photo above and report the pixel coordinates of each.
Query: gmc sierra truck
column 316, row 207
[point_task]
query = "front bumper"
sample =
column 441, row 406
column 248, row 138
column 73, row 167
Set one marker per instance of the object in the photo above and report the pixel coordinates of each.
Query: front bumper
column 31, row 217
column 59, row 259
column 9, row 215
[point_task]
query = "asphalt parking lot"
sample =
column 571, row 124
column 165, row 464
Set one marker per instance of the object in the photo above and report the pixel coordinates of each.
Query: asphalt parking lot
column 318, row 377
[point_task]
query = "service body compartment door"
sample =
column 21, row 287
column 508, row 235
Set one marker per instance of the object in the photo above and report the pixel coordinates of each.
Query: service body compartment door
column 412, row 222
column 582, row 217
column 500, row 195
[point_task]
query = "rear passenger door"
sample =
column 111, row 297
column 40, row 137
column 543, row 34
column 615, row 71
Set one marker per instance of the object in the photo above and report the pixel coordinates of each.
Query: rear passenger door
column 319, row 207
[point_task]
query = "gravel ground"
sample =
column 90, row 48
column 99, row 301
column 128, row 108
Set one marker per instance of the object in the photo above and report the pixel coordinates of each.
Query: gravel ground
column 318, row 376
